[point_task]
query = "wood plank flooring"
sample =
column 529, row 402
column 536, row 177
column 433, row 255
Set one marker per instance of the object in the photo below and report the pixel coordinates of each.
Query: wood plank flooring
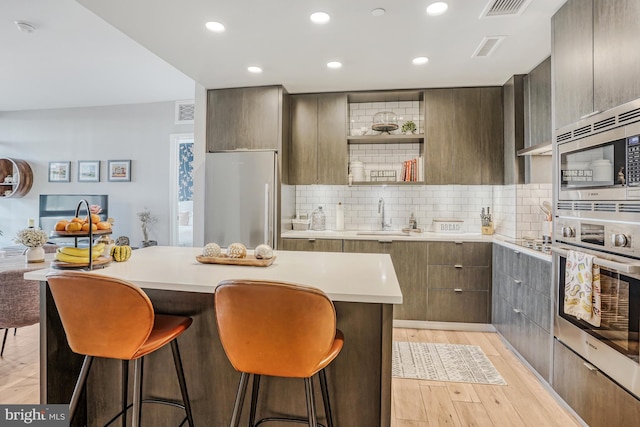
column 415, row 403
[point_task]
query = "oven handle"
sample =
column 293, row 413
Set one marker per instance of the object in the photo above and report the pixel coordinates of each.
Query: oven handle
column 613, row 265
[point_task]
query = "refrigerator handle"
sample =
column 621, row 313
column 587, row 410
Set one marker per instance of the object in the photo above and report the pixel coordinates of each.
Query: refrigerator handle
column 267, row 224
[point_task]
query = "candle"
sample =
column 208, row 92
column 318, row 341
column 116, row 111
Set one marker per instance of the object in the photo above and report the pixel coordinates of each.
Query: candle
column 31, row 223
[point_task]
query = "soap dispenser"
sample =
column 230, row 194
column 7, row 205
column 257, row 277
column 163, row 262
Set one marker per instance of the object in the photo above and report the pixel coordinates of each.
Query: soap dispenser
column 413, row 224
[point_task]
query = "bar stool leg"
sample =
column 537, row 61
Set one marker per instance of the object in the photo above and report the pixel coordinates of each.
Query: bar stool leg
column 4, row 340
column 125, row 391
column 183, row 384
column 254, row 399
column 237, row 406
column 325, row 398
column 311, row 405
column 77, row 390
column 138, row 367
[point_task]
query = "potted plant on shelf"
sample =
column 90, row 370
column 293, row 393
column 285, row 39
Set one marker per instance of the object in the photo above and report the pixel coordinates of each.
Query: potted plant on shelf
column 146, row 220
column 409, row 127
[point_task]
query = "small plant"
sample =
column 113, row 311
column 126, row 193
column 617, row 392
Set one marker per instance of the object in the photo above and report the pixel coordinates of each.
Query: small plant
column 146, row 220
column 31, row 237
column 409, row 127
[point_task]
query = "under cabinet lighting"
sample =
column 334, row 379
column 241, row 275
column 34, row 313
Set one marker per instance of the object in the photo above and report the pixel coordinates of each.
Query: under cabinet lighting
column 216, row 27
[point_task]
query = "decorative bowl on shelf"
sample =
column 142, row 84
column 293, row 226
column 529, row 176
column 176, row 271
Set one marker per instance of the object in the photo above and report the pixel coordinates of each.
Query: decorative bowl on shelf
column 385, row 121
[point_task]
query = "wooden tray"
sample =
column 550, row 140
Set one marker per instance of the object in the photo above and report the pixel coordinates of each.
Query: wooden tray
column 250, row 260
column 79, row 233
column 100, row 262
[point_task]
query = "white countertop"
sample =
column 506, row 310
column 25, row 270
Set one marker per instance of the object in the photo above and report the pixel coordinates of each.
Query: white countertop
column 509, row 243
column 367, row 278
column 354, row 235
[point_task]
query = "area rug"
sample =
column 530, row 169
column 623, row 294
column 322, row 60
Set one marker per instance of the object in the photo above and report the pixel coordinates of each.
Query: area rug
column 443, row 362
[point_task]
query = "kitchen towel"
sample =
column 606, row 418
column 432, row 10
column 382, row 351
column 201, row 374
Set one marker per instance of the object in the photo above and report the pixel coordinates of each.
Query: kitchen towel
column 339, row 217
column 582, row 288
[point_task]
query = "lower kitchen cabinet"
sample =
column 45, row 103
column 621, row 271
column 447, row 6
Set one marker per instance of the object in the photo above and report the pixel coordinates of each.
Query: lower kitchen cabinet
column 459, row 282
column 521, row 306
column 312, row 245
column 596, row 399
column 409, row 262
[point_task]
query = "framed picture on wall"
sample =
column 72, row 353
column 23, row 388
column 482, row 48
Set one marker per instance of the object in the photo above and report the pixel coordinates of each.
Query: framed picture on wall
column 88, row 170
column 119, row 170
column 59, row 171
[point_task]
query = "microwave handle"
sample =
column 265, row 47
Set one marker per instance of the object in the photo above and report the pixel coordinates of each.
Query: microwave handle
column 613, row 265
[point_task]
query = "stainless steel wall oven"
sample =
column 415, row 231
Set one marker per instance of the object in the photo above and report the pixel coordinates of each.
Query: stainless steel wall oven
column 597, row 212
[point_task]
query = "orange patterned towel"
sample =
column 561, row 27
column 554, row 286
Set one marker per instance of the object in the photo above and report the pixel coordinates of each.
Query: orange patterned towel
column 582, row 288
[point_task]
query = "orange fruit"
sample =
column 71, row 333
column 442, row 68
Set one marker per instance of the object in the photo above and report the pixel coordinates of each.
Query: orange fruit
column 85, row 227
column 94, row 219
column 104, row 225
column 60, row 225
column 78, row 220
column 73, row 226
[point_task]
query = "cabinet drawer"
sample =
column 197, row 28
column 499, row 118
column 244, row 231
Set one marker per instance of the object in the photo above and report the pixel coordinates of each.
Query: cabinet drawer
column 312, row 245
column 465, row 253
column 511, row 262
column 459, row 277
column 446, row 305
column 598, row 400
column 539, row 273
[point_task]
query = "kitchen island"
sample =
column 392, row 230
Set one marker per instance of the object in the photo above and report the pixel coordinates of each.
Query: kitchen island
column 363, row 287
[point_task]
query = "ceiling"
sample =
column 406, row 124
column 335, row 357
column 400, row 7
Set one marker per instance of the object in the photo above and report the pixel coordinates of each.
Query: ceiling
column 134, row 51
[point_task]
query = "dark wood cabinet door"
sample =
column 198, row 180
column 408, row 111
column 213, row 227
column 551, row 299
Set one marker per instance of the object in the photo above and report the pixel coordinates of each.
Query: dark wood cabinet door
column 244, row 118
column 572, row 61
column 439, row 137
column 491, row 136
column 462, row 253
column 538, row 107
column 303, row 154
column 410, row 263
column 446, row 305
column 366, row 246
column 468, row 154
column 312, row 245
column 332, row 139
column 616, row 63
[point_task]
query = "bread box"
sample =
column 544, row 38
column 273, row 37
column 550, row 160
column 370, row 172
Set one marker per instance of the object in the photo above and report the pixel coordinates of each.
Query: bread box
column 448, row 225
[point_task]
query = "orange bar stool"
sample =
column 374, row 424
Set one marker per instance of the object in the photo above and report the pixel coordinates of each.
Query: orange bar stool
column 111, row 318
column 277, row 329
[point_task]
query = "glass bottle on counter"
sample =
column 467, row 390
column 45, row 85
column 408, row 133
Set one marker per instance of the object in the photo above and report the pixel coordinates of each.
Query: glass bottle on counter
column 318, row 219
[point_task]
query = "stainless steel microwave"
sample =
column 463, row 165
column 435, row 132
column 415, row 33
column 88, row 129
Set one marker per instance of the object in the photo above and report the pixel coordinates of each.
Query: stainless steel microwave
column 602, row 166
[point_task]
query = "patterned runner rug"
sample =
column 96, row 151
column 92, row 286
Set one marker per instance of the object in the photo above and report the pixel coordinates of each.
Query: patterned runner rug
column 443, row 362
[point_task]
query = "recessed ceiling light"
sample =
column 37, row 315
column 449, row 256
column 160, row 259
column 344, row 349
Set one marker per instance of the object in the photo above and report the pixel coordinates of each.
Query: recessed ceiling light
column 437, row 8
column 320, row 17
column 214, row 26
column 378, row 11
column 25, row 26
column 334, row 64
column 420, row 60
column 254, row 69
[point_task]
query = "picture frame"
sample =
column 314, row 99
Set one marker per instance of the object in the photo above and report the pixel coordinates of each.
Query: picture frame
column 59, row 171
column 88, row 170
column 119, row 170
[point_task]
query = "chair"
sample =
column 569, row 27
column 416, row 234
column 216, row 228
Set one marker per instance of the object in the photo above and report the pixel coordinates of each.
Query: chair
column 19, row 301
column 111, row 318
column 277, row 329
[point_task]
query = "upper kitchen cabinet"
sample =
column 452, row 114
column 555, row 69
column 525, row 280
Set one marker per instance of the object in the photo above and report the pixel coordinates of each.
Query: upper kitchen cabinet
column 464, row 138
column 513, row 102
column 245, row 118
column 318, row 150
column 16, row 177
column 537, row 105
column 594, row 57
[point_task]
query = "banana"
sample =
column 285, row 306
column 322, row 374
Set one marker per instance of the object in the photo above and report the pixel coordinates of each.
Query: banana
column 71, row 259
column 82, row 252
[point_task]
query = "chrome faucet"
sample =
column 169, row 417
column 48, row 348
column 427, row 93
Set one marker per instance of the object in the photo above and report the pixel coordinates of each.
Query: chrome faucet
column 381, row 211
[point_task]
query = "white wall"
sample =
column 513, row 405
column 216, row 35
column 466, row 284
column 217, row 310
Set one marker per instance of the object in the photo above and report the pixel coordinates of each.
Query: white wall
column 139, row 132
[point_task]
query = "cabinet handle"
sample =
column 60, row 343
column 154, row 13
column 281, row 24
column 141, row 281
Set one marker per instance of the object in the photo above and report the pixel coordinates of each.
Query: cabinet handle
column 516, row 252
column 589, row 115
column 458, row 290
column 458, row 266
column 590, row 367
column 312, row 240
column 457, row 243
column 517, row 282
column 517, row 311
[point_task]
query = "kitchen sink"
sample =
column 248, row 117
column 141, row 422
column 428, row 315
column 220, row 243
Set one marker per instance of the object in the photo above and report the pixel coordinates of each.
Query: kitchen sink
column 382, row 233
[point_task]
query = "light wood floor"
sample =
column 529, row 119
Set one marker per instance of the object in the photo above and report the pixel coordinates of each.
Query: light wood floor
column 415, row 403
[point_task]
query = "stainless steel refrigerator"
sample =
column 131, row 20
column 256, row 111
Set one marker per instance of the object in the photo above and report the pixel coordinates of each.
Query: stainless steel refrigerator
column 241, row 195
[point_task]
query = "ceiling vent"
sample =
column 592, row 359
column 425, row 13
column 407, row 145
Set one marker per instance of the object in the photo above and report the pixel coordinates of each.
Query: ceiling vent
column 498, row 8
column 185, row 112
column 487, row 46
